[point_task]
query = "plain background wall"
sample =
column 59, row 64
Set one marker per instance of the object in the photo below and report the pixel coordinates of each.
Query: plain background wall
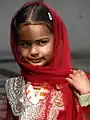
column 76, row 16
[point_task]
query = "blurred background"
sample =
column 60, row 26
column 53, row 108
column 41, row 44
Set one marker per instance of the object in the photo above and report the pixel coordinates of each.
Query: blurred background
column 76, row 16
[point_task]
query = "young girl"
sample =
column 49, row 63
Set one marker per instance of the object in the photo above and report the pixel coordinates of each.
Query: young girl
column 47, row 88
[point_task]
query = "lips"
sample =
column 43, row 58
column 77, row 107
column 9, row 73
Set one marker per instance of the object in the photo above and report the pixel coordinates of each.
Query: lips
column 36, row 60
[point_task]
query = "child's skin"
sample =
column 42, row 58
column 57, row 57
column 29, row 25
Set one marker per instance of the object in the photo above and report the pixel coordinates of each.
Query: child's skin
column 36, row 44
column 36, row 47
column 80, row 81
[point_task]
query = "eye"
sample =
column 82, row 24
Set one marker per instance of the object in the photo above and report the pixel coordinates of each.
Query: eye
column 42, row 42
column 24, row 44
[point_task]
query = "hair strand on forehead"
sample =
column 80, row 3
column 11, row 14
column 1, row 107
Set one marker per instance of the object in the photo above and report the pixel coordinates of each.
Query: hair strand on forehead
column 32, row 13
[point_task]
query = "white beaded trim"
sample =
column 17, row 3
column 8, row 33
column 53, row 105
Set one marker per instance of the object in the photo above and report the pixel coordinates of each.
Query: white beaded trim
column 84, row 100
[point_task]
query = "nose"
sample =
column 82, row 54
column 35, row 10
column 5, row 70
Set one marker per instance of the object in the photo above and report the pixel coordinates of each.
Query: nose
column 34, row 51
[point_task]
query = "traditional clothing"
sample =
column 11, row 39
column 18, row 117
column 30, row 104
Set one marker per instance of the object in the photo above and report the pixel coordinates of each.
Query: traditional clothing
column 55, row 100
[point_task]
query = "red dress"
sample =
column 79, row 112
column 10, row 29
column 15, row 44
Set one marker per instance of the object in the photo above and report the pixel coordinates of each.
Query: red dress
column 51, row 105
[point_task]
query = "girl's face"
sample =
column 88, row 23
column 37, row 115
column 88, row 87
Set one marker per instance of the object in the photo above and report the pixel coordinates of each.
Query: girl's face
column 35, row 44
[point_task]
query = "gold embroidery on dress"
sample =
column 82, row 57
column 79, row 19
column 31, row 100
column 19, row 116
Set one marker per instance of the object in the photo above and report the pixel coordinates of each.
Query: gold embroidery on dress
column 22, row 107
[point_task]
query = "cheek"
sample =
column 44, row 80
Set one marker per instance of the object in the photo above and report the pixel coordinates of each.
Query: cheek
column 50, row 48
column 47, row 50
column 22, row 51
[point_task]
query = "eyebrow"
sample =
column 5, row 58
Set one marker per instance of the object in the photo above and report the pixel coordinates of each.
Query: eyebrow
column 29, row 41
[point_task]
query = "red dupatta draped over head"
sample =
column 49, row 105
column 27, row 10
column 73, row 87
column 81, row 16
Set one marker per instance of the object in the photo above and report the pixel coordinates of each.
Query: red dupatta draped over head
column 61, row 62
column 59, row 68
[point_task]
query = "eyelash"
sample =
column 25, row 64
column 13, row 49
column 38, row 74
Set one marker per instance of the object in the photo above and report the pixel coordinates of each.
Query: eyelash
column 42, row 42
column 24, row 44
column 38, row 42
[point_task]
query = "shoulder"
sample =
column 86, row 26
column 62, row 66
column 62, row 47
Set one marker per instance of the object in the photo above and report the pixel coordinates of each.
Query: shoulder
column 14, row 80
column 13, row 87
column 14, row 91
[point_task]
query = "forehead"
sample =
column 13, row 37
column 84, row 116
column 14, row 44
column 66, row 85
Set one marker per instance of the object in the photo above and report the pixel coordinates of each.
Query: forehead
column 32, row 32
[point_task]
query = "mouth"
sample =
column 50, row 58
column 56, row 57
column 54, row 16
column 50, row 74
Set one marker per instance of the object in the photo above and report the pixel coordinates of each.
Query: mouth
column 35, row 60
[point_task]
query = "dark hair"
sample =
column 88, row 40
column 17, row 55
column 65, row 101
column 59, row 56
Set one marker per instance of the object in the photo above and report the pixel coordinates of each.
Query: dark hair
column 33, row 14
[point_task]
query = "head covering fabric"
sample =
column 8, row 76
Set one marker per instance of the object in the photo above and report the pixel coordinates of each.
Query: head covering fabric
column 61, row 62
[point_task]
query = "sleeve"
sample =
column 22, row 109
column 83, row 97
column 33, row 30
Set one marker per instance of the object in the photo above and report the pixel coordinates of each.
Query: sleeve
column 86, row 113
column 85, row 106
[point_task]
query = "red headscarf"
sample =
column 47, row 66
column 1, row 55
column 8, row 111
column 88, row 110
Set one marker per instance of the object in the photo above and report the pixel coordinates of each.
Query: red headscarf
column 61, row 61
column 59, row 68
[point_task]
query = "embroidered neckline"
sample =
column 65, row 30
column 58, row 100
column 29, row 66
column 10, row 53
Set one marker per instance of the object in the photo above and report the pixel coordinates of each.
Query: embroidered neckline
column 30, row 90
